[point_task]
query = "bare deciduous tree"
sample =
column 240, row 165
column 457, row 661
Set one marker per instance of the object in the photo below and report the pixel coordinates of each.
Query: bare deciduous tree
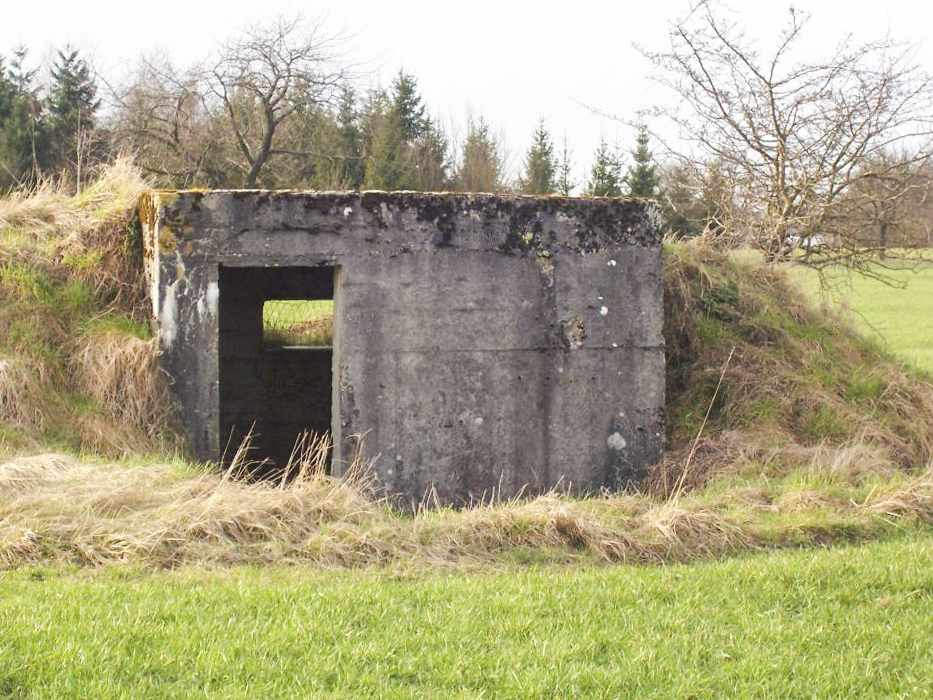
column 266, row 77
column 161, row 116
column 798, row 139
column 226, row 124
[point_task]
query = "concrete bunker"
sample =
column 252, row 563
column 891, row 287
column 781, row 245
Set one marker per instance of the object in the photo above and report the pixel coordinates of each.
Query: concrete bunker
column 480, row 344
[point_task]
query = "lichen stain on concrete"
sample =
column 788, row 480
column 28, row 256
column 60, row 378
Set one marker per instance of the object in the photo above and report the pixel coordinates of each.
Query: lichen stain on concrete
column 616, row 442
column 546, row 265
column 167, row 241
column 572, row 333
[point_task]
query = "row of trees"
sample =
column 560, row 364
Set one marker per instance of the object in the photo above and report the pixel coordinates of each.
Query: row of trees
column 47, row 131
column 833, row 156
column 274, row 111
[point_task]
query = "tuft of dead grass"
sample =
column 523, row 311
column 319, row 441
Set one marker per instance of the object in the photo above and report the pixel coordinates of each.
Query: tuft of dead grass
column 40, row 214
column 20, row 387
column 548, row 522
column 90, row 236
column 853, row 463
column 693, row 533
column 800, row 500
column 121, row 372
column 905, row 503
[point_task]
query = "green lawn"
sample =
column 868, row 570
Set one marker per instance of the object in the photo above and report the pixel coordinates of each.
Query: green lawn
column 900, row 316
column 852, row 621
column 848, row 622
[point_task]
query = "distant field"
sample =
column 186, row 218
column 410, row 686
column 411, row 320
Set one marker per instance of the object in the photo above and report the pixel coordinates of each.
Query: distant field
column 901, row 317
column 849, row 622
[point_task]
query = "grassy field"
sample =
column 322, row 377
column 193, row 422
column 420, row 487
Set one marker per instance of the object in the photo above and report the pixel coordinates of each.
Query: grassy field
column 848, row 622
column 900, row 314
column 126, row 571
column 298, row 322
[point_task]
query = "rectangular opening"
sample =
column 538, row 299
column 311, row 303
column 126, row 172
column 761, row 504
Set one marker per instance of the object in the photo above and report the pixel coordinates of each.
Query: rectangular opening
column 294, row 324
column 276, row 359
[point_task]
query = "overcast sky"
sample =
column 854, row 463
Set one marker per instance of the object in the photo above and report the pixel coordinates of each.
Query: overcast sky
column 512, row 61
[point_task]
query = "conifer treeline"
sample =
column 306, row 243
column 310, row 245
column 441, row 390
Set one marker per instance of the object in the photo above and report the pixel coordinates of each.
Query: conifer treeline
column 246, row 123
column 54, row 129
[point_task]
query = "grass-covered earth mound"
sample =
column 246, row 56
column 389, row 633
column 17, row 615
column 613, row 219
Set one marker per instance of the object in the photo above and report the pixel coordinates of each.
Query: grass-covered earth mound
column 786, row 427
column 78, row 368
column 760, row 380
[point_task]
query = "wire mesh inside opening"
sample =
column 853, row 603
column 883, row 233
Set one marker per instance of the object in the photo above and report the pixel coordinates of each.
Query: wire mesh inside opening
column 303, row 323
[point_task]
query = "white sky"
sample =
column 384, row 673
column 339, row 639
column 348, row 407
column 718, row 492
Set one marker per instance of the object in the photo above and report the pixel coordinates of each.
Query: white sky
column 512, row 61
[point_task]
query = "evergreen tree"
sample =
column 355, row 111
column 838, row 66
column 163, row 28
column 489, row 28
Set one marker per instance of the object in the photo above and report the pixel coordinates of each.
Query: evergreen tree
column 642, row 178
column 540, row 167
column 21, row 133
column 349, row 166
column 19, row 75
column 431, row 151
column 385, row 167
column 7, row 90
column 407, row 108
column 606, row 174
column 72, row 107
column 408, row 150
column 480, row 164
column 564, row 184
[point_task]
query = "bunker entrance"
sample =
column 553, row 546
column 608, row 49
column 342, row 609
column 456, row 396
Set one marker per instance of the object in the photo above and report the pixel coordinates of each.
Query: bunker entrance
column 276, row 359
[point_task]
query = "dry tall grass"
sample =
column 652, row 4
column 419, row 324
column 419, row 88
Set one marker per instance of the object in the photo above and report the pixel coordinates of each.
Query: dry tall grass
column 58, row 509
column 121, row 372
column 55, row 508
column 82, row 236
column 75, row 364
column 19, row 391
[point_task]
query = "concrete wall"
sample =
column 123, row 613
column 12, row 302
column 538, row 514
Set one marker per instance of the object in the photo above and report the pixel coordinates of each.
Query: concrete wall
column 482, row 343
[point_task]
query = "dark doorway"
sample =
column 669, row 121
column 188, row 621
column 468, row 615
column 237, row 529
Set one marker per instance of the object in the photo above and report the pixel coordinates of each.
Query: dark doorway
column 276, row 359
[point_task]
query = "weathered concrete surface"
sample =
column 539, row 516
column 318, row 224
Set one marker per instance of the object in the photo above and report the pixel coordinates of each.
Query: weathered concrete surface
column 483, row 343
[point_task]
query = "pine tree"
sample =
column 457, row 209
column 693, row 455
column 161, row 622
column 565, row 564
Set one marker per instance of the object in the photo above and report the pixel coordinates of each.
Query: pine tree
column 21, row 77
column 72, row 106
column 606, row 174
column 21, row 133
column 349, row 167
column 642, row 177
column 431, row 153
column 407, row 108
column 407, row 150
column 385, row 167
column 480, row 164
column 564, row 184
column 7, row 90
column 540, row 167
